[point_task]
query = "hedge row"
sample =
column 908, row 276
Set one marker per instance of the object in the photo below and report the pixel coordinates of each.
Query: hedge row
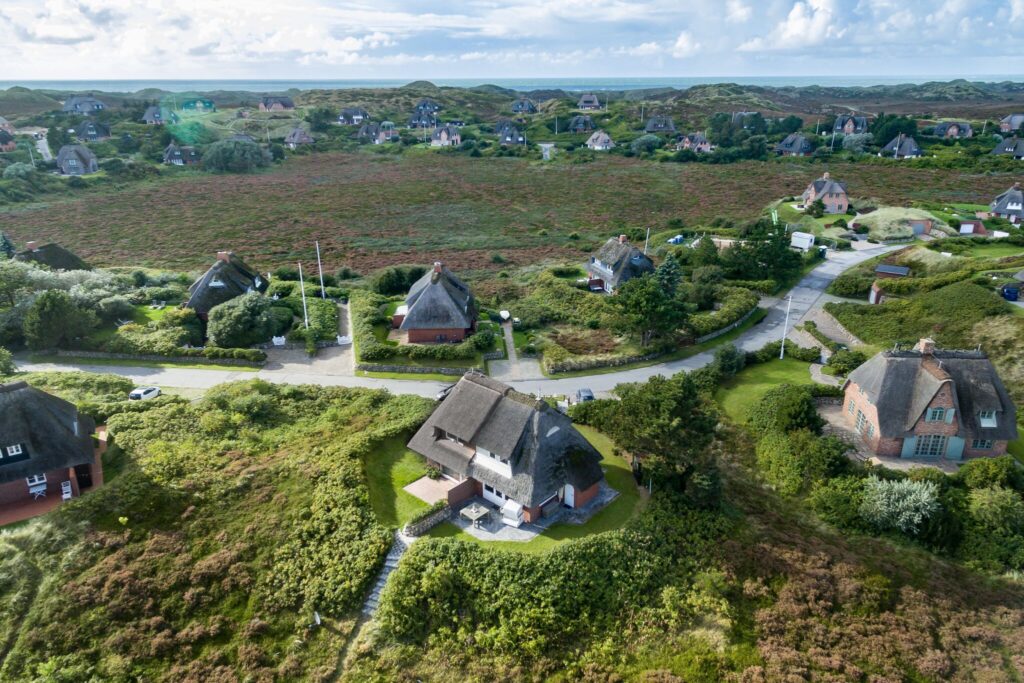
column 736, row 303
column 760, row 286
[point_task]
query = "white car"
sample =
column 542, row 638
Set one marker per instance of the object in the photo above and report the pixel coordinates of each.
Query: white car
column 143, row 393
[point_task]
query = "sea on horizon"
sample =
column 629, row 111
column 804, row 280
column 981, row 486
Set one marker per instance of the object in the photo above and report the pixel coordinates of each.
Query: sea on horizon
column 521, row 84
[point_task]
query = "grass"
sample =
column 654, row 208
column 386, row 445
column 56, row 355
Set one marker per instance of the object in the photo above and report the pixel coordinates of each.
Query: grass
column 679, row 354
column 995, row 250
column 429, row 376
column 741, row 393
column 136, row 363
column 618, row 475
column 143, row 315
column 388, row 469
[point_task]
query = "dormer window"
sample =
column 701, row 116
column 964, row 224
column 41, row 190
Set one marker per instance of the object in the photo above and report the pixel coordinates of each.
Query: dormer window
column 987, row 419
column 14, row 450
column 936, row 415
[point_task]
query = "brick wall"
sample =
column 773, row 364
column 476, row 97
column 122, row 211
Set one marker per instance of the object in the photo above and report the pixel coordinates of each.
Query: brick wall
column 430, row 336
column 586, row 495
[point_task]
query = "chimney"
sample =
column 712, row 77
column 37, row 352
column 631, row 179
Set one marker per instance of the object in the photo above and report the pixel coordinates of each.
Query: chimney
column 224, row 256
column 926, row 346
column 622, row 239
column 826, row 176
column 31, row 246
column 437, row 266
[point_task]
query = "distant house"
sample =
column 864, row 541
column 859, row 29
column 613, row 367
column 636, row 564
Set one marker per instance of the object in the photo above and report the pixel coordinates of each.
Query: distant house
column 921, row 226
column 931, row 404
column 297, row 138
column 198, row 104
column 953, row 129
column 1011, row 147
column 660, row 124
column 227, row 278
column 46, row 451
column 446, row 136
column 153, row 116
column 524, row 105
column 973, row 226
column 794, row 145
column 902, row 147
column 7, row 142
column 616, row 263
column 502, row 125
column 52, row 256
column 886, row 271
column 581, row 123
column 600, row 141
column 424, row 119
column 511, row 136
column 438, row 309
column 77, row 160
column 588, row 102
column 850, row 125
column 1009, row 205
column 276, row 103
column 832, row 194
column 695, row 142
column 1011, row 123
column 6, row 125
column 181, row 156
column 510, row 449
column 92, row 131
column 353, row 116
column 428, row 106
column 82, row 104
column 377, row 133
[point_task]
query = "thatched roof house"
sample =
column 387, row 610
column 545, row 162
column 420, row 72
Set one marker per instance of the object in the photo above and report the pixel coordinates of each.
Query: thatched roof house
column 77, row 160
column 52, row 256
column 439, row 308
column 1010, row 204
column 616, row 263
column 228, row 277
column 902, row 147
column 510, row 449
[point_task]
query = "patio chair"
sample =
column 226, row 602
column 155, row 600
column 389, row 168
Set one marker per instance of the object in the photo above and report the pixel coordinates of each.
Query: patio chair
column 65, row 490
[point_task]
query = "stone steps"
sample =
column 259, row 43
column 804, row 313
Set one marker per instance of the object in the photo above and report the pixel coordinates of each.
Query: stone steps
column 398, row 548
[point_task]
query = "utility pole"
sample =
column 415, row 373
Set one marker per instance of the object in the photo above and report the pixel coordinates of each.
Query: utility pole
column 302, row 286
column 785, row 328
column 320, row 267
column 899, row 141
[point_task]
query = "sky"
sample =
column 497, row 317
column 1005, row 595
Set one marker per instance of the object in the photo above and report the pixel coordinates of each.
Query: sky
column 493, row 39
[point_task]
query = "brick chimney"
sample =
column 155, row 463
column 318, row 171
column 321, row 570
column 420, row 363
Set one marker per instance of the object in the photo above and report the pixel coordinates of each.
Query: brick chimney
column 826, row 176
column 925, row 346
column 224, row 256
column 622, row 239
column 438, row 266
column 31, row 246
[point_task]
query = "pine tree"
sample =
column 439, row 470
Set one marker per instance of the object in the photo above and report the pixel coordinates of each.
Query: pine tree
column 6, row 246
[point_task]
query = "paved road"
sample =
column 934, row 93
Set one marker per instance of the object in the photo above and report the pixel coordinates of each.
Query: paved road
column 43, row 146
column 805, row 296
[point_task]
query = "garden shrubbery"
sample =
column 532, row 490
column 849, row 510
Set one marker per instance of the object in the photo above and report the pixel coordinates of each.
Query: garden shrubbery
column 736, row 303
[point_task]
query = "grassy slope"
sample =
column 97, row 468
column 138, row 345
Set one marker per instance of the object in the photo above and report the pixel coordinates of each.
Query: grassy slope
column 390, row 467
column 371, row 210
column 755, row 381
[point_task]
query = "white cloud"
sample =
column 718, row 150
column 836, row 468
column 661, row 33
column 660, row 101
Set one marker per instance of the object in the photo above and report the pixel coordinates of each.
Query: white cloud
column 1016, row 10
column 685, row 46
column 736, row 12
column 809, row 22
column 642, row 50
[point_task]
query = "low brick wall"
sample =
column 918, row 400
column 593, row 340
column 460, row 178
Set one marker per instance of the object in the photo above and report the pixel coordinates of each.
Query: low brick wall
column 424, row 525
column 414, row 370
column 185, row 360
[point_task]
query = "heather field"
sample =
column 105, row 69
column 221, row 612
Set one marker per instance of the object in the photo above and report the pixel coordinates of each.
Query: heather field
column 371, row 210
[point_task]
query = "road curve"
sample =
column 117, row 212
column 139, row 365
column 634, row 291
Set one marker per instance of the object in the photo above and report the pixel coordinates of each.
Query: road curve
column 805, row 295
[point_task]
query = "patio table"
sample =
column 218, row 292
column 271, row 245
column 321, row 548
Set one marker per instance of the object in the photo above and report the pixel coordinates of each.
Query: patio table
column 474, row 512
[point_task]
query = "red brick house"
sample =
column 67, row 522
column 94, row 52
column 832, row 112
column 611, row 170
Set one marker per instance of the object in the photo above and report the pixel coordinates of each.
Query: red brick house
column 439, row 309
column 510, row 449
column 46, row 452
column 7, row 141
column 832, row 194
column 929, row 403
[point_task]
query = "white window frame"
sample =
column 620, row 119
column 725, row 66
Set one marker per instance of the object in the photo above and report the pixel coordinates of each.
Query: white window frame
column 930, row 446
column 935, row 415
column 14, row 450
column 981, row 444
column 987, row 418
column 861, row 421
column 852, row 407
column 36, row 479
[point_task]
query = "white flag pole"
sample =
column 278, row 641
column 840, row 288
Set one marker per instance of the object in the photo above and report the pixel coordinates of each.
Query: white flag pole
column 320, row 267
column 302, row 286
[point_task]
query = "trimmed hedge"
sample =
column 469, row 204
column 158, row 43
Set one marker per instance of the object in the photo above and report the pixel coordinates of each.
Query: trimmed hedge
column 759, row 286
column 736, row 303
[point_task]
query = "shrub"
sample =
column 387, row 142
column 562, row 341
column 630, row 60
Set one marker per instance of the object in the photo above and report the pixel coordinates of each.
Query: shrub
column 786, row 408
column 242, row 321
column 793, row 462
column 115, row 308
column 397, row 279
column 7, row 366
column 235, row 156
column 736, row 303
column 845, row 362
column 482, row 340
column 54, row 321
column 982, row 473
column 901, row 505
column 838, row 501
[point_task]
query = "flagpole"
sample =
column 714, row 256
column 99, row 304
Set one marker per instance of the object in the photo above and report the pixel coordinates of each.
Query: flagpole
column 320, row 267
column 302, row 286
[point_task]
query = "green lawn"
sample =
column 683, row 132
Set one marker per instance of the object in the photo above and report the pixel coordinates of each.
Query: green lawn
column 996, row 250
column 739, row 394
column 390, row 467
column 135, row 363
column 1016, row 448
column 614, row 516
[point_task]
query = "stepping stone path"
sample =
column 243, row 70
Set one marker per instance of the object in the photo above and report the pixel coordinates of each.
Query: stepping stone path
column 398, row 548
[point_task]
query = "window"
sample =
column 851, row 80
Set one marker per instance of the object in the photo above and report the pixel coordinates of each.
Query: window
column 861, row 419
column 930, row 446
column 14, row 450
column 36, row 479
column 981, row 444
column 936, row 415
column 216, row 282
column 871, row 430
column 851, row 408
column 488, row 488
column 987, row 418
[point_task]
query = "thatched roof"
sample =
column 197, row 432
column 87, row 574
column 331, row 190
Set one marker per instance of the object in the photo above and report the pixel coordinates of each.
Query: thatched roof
column 439, row 301
column 1009, row 203
column 794, row 143
column 53, row 256
column 543, row 449
column 618, row 261
column 901, row 384
column 49, row 430
column 228, row 277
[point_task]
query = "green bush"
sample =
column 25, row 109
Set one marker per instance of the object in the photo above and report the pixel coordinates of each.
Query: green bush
column 242, row 321
column 845, row 362
column 736, row 303
column 54, row 320
column 427, row 512
column 786, row 408
column 397, row 279
column 838, row 501
column 795, row 461
column 980, row 473
column 899, row 505
column 235, row 156
column 7, row 366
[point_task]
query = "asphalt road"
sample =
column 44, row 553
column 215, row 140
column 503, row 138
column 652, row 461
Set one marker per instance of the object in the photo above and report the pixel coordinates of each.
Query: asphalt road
column 805, row 296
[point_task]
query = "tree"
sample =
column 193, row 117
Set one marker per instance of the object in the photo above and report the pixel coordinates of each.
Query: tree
column 816, row 209
column 13, row 279
column 20, row 170
column 646, row 143
column 235, row 156
column 888, row 126
column 729, row 360
column 901, row 505
column 647, row 310
column 845, row 362
column 53, row 320
column 666, row 423
column 7, row 366
column 705, row 253
column 997, row 509
column 240, row 322
column 786, row 408
column 320, row 119
column 669, row 274
column 857, row 142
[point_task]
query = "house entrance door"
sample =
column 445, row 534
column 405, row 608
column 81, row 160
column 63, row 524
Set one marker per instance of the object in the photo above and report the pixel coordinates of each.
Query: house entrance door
column 569, row 495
